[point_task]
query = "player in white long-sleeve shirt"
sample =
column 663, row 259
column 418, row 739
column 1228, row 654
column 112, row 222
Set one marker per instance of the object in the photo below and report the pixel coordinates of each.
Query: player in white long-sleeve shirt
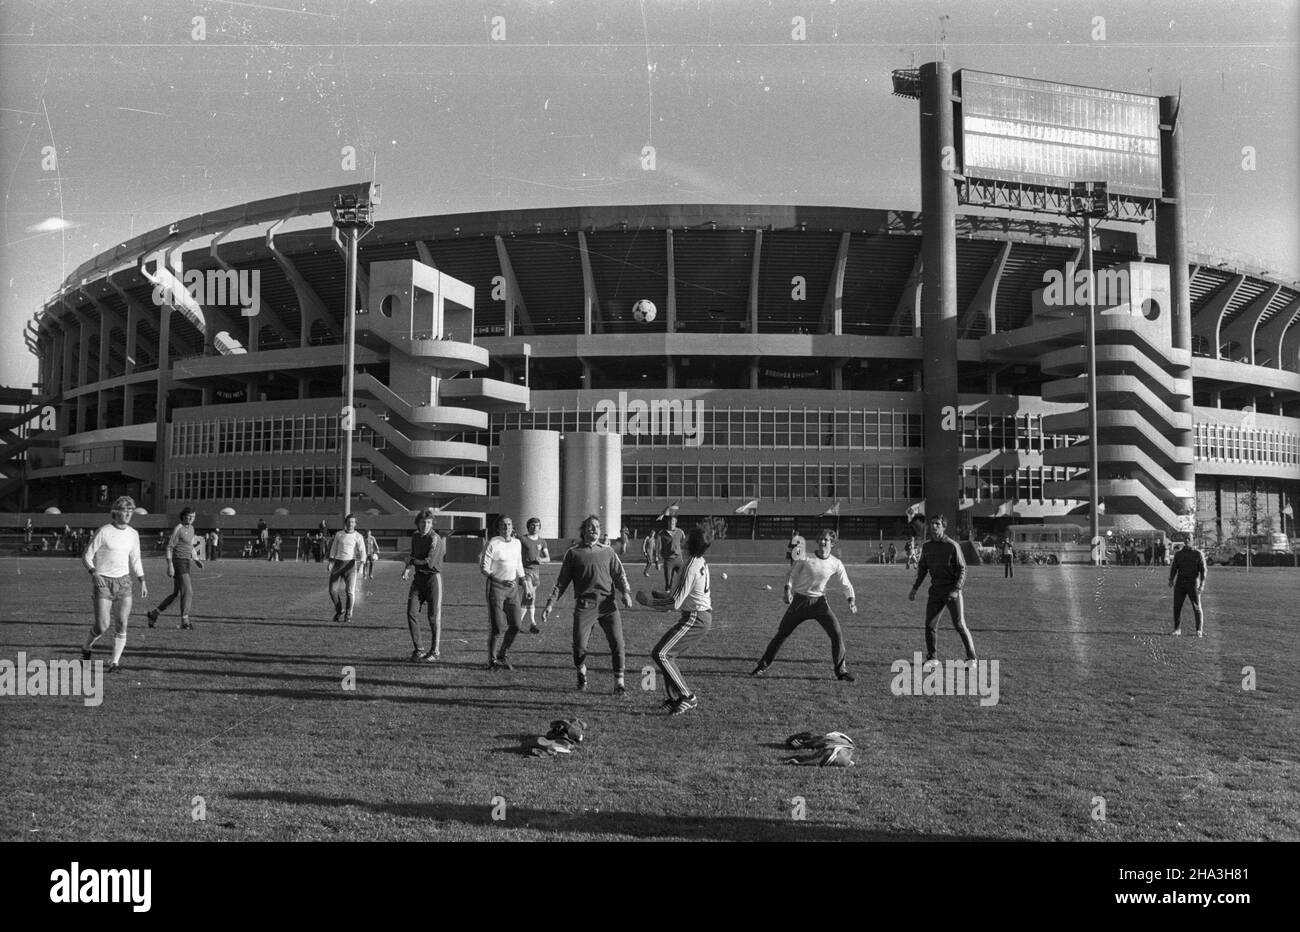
column 112, row 557
column 347, row 556
column 690, row 596
column 805, row 593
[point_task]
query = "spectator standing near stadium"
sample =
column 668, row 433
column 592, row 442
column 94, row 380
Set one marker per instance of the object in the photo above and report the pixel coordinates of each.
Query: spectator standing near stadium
column 533, row 551
column 424, row 569
column 1008, row 553
column 112, row 558
column 276, row 543
column 941, row 557
column 214, row 544
column 1187, row 579
column 648, row 548
column 909, row 551
column 805, row 594
column 263, row 536
column 27, row 531
column 180, row 554
column 794, row 551
column 595, row 572
column 372, row 553
column 690, row 597
column 347, row 554
column 502, row 563
column 670, row 542
column 892, row 554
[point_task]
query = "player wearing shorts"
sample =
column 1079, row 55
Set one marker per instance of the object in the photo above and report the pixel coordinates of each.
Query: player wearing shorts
column 181, row 551
column 372, row 554
column 424, row 569
column 690, row 597
column 503, row 564
column 532, row 547
column 669, row 543
column 347, row 554
column 595, row 571
column 941, row 557
column 111, row 558
column 805, row 593
column 1187, row 579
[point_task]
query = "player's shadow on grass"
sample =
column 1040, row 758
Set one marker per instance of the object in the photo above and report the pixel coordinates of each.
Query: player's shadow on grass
column 631, row 824
column 335, row 694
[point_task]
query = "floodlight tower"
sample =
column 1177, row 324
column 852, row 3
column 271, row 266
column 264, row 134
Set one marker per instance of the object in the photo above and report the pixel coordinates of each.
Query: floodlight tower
column 352, row 216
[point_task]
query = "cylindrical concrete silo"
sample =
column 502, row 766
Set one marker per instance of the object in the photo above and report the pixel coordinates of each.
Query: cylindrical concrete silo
column 530, row 479
column 593, row 482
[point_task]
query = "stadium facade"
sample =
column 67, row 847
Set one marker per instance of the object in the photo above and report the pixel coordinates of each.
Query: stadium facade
column 784, row 365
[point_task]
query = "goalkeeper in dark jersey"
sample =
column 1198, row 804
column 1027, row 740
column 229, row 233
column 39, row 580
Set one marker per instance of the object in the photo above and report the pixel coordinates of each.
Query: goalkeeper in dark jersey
column 1187, row 579
column 941, row 558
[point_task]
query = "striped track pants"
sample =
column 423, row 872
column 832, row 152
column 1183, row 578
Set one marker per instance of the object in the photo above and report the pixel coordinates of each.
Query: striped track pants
column 688, row 631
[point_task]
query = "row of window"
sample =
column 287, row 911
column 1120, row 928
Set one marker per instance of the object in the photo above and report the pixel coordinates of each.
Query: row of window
column 677, row 424
column 304, row 433
column 1246, row 445
column 281, row 483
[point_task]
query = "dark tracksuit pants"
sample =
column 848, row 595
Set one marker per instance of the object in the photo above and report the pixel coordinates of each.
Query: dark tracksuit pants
column 934, row 607
column 803, row 608
column 426, row 590
column 587, row 613
column 1007, row 570
column 681, row 637
column 504, row 611
column 1187, row 590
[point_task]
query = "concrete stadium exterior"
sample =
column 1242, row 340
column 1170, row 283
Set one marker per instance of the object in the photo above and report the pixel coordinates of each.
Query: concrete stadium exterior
column 785, row 364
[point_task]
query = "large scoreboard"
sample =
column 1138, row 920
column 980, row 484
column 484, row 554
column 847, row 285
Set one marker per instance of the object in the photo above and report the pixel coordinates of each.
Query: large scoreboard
column 1041, row 133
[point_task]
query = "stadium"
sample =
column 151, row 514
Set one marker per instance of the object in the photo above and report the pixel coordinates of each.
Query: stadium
column 785, row 368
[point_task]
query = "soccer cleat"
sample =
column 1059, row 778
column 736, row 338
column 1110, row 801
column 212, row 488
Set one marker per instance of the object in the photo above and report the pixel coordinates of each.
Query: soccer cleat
column 493, row 666
column 534, row 630
column 846, row 676
column 85, row 653
column 114, row 667
column 1200, row 634
column 929, row 665
column 1178, row 632
column 347, row 617
column 430, row 656
column 417, row 654
column 582, row 682
column 338, row 616
column 620, row 689
column 152, row 615
column 758, row 670
column 669, row 704
column 684, row 705
column 503, row 664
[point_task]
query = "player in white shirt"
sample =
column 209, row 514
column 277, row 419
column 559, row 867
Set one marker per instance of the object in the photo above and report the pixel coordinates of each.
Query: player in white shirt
column 347, row 556
column 805, row 593
column 690, row 596
column 111, row 558
column 502, row 562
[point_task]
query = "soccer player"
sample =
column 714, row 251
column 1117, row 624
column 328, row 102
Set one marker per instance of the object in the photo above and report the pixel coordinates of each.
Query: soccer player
column 690, row 597
column 111, row 558
column 941, row 558
column 273, row 556
column 1008, row 558
column 1187, row 579
column 372, row 554
column 180, row 553
column 794, row 550
column 670, row 541
column 648, row 548
column 805, row 594
column 595, row 571
column 347, row 554
column 428, row 550
column 263, row 536
column 502, row 563
column 532, row 546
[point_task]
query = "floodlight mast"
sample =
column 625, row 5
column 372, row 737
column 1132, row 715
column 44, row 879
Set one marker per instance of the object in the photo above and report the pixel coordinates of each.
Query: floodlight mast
column 352, row 216
column 1090, row 202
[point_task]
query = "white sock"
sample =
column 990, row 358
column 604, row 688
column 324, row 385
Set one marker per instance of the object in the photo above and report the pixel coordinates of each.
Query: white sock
column 119, row 645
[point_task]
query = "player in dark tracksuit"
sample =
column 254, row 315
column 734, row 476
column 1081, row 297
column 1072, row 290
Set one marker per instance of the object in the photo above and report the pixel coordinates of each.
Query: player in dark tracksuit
column 181, row 552
column 941, row 558
column 1187, row 578
column 595, row 571
column 424, row 568
column 670, row 542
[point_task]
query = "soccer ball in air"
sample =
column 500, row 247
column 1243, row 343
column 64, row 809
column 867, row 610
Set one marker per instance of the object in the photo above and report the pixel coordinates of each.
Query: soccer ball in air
column 644, row 311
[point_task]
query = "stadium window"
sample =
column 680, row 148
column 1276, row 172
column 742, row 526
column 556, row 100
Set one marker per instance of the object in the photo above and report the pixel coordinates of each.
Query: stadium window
column 660, row 473
column 767, row 481
column 915, row 483
column 750, row 428
column 841, row 480
column 857, row 431
column 871, row 430
column 1022, row 483
column 751, row 480
column 766, row 429
column 690, row 480
column 781, row 428
column 826, row 481
column 842, row 430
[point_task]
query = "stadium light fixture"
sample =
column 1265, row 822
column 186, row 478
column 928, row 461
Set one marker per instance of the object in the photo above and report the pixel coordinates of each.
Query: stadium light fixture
column 1090, row 202
column 352, row 217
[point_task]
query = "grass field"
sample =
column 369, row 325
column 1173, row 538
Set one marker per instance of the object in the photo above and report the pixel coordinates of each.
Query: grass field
column 248, row 711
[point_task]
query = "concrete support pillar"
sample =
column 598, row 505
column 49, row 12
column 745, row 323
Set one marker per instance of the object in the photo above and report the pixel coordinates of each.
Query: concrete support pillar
column 939, row 291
